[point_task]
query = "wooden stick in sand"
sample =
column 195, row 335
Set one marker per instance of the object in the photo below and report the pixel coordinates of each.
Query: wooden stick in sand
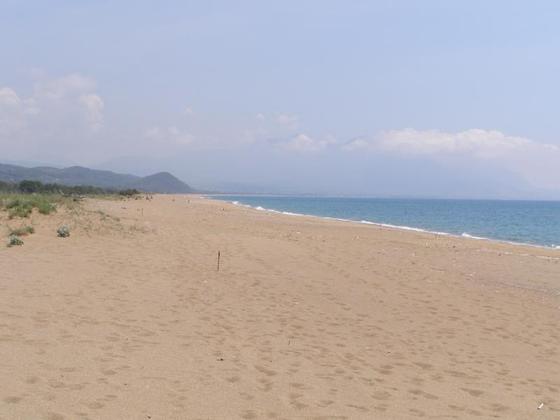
column 218, row 266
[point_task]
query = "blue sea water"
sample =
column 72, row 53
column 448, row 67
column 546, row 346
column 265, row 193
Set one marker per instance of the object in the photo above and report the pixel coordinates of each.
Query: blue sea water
column 529, row 222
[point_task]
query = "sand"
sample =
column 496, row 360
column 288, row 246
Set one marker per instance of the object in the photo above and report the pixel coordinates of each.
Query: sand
column 130, row 319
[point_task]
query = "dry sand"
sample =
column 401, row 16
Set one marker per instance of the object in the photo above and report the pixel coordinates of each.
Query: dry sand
column 129, row 319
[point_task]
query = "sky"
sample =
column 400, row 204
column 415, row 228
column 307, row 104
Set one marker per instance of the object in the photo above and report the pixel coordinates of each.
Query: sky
column 429, row 98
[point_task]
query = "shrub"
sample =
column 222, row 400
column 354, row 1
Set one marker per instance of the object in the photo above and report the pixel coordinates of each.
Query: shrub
column 44, row 206
column 63, row 231
column 14, row 240
column 23, row 231
column 19, row 207
column 30, row 186
column 23, row 206
column 129, row 192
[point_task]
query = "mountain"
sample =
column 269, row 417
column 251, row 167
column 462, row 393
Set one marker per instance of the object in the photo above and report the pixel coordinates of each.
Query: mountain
column 162, row 182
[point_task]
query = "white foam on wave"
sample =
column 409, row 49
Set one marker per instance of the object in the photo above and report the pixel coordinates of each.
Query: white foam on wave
column 400, row 227
column 480, row 238
column 289, row 213
column 338, row 219
column 403, row 227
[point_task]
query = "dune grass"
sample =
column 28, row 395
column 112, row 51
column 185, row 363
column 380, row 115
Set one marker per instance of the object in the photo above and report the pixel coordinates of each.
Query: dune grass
column 23, row 231
column 22, row 205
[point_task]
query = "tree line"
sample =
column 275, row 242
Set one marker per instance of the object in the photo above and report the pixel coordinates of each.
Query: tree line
column 37, row 187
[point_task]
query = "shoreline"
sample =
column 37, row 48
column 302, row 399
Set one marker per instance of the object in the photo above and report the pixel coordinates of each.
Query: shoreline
column 464, row 235
column 491, row 246
column 130, row 317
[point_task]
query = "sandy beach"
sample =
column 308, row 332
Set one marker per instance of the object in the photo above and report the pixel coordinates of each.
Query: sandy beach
column 129, row 318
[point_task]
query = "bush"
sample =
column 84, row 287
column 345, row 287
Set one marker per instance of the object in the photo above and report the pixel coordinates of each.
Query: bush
column 19, row 207
column 23, row 231
column 30, row 186
column 63, row 231
column 129, row 193
column 44, row 206
column 23, row 206
column 14, row 240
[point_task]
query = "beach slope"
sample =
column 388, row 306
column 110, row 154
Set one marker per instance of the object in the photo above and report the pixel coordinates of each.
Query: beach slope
column 130, row 318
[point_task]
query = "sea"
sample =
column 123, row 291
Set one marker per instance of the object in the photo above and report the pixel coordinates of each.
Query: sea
column 524, row 222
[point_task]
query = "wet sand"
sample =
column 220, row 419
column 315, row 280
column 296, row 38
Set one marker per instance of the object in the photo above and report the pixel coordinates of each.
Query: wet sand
column 306, row 318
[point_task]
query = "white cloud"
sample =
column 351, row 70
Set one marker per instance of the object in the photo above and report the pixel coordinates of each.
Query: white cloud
column 304, row 143
column 537, row 163
column 289, row 121
column 31, row 107
column 188, row 111
column 54, row 101
column 9, row 98
column 356, row 144
column 14, row 111
column 169, row 135
column 479, row 143
column 72, row 85
column 11, row 111
column 59, row 116
column 93, row 105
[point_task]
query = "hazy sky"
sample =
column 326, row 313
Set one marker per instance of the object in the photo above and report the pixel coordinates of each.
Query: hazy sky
column 424, row 98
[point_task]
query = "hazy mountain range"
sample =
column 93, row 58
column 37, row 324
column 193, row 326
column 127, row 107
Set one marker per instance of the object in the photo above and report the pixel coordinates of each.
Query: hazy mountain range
column 161, row 182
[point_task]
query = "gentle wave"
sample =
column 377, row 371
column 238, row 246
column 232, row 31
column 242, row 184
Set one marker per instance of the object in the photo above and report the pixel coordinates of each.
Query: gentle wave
column 365, row 222
column 466, row 235
column 391, row 226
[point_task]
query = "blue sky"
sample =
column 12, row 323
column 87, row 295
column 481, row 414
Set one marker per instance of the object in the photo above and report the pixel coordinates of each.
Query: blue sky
column 423, row 98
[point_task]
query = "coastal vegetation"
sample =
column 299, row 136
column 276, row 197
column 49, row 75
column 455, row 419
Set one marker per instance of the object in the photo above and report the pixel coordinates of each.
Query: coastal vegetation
column 22, row 231
column 18, row 205
column 14, row 240
column 20, row 200
column 37, row 187
column 63, row 231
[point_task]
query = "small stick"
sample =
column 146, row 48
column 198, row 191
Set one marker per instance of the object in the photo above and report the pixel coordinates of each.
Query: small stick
column 218, row 267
